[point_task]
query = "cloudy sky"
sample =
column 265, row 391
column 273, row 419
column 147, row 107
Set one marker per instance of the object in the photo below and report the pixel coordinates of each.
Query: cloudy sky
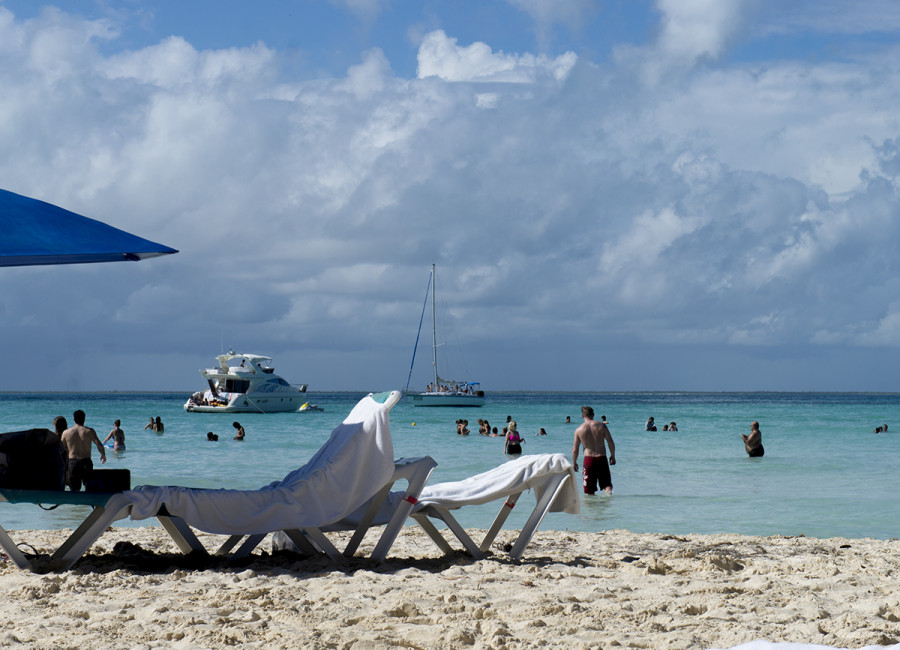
column 618, row 194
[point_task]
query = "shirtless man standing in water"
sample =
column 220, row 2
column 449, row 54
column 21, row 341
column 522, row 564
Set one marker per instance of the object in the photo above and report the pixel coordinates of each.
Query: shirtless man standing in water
column 78, row 440
column 594, row 436
column 753, row 443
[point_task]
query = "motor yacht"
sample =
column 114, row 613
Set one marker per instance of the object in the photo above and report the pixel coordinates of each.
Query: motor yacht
column 245, row 383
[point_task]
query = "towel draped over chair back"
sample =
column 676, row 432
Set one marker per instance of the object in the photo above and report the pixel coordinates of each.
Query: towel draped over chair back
column 355, row 462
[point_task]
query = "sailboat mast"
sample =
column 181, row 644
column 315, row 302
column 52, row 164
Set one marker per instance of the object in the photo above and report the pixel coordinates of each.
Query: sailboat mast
column 433, row 333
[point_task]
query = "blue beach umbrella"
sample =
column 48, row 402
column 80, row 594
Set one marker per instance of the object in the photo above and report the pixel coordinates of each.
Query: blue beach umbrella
column 33, row 232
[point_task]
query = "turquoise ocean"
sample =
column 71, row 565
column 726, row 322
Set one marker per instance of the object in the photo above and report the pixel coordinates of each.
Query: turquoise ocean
column 825, row 473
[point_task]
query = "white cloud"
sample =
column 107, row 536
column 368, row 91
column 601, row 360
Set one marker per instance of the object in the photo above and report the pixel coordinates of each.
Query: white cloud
column 691, row 31
column 174, row 64
column 577, row 206
column 886, row 332
column 369, row 76
column 440, row 56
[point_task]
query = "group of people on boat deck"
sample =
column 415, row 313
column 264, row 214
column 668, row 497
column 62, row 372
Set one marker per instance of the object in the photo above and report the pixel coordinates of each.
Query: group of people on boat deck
column 464, row 389
column 202, row 400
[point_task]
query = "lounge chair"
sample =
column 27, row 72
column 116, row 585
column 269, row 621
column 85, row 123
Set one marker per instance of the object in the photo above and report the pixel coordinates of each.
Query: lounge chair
column 352, row 469
column 550, row 476
column 312, row 540
column 102, row 504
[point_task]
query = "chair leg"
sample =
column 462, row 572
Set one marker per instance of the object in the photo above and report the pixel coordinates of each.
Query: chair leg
column 229, row 544
column 90, row 529
column 435, row 535
column 318, row 537
column 505, row 511
column 181, row 534
column 302, row 542
column 444, row 515
column 249, row 544
column 416, row 473
column 366, row 521
column 12, row 550
column 393, row 528
column 537, row 515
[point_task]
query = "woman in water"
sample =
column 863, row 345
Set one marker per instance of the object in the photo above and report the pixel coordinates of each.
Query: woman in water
column 118, row 437
column 240, row 430
column 513, row 444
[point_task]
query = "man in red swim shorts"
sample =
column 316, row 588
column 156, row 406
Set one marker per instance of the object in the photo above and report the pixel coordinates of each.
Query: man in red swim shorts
column 594, row 436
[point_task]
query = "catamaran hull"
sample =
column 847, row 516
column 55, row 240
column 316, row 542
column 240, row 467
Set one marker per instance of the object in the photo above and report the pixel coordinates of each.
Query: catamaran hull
column 424, row 399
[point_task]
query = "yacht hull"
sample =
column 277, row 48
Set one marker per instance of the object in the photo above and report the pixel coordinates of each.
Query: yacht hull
column 252, row 404
column 427, row 399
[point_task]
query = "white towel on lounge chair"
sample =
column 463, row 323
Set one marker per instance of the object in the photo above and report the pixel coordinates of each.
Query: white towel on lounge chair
column 550, row 476
column 525, row 472
column 355, row 462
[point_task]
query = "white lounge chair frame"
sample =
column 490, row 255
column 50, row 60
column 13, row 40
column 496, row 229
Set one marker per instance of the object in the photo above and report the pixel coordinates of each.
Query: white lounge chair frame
column 107, row 508
column 423, row 516
column 110, row 507
column 415, row 471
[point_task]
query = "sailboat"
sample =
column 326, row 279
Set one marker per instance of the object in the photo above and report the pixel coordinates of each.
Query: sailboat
column 441, row 392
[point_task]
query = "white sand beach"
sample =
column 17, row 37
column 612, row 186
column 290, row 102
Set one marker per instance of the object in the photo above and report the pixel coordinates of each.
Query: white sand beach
column 571, row 590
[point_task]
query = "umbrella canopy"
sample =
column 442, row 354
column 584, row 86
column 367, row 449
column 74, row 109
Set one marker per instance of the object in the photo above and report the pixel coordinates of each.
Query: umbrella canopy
column 33, row 232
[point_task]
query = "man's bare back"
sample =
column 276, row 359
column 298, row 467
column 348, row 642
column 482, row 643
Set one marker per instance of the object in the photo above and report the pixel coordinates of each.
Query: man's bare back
column 593, row 436
column 78, row 440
